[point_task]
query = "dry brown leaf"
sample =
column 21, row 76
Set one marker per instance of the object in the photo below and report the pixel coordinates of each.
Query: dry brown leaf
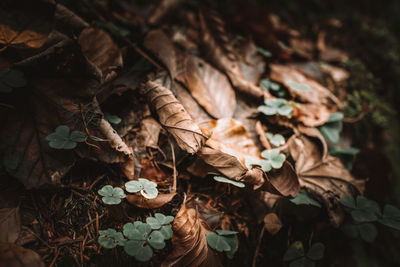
column 283, row 181
column 329, row 53
column 100, row 49
column 162, row 10
column 189, row 241
column 208, row 86
column 324, row 177
column 12, row 255
column 310, row 114
column 337, row 74
column 252, row 65
column 142, row 202
column 211, row 215
column 10, row 224
column 25, row 23
column 128, row 167
column 173, row 117
column 67, row 21
column 272, row 223
column 316, row 93
column 149, row 132
column 218, row 50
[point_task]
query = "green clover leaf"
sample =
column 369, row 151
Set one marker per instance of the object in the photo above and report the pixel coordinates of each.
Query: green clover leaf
column 138, row 249
column 167, row 232
column 274, row 157
column 391, row 217
column 63, row 139
column 303, row 198
column 276, row 139
column 11, row 78
column 114, row 119
column 316, row 252
column 222, row 179
column 298, row 86
column 111, row 195
column 367, row 231
column 332, row 128
column 295, row 251
column 110, row 238
column 147, row 188
column 217, row 242
column 361, row 209
column 298, row 258
column 156, row 240
column 277, row 106
column 269, row 85
column 223, row 240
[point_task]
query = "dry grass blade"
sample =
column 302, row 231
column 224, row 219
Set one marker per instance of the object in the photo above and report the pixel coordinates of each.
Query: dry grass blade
column 189, row 241
column 142, row 202
column 174, row 117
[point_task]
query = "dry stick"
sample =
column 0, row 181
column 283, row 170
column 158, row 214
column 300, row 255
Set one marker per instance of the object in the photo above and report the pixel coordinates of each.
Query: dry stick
column 95, row 220
column 57, row 252
column 258, row 246
column 174, row 184
column 263, row 139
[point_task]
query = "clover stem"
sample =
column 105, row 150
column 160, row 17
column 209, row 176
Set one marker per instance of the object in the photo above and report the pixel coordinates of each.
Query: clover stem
column 174, row 183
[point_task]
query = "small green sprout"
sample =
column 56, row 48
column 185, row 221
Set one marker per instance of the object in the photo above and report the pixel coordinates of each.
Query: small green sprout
column 276, row 139
column 147, row 188
column 367, row 231
column 361, row 209
column 162, row 223
column 298, row 86
column 114, row 119
column 391, row 217
column 277, row 106
column 269, row 85
column 223, row 240
column 332, row 128
column 264, row 52
column 298, row 258
column 111, row 195
column 272, row 159
column 142, row 239
column 63, row 139
column 11, row 78
column 110, row 238
column 222, row 179
column 303, row 198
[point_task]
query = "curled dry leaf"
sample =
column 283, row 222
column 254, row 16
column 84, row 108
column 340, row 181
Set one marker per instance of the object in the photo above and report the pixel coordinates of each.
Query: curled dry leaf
column 324, row 177
column 208, row 86
column 100, row 49
column 173, row 117
column 25, row 23
column 189, row 241
column 149, row 132
column 211, row 215
column 17, row 256
column 272, row 223
column 227, row 148
column 220, row 52
column 283, row 181
column 67, row 21
column 162, row 10
column 310, row 114
column 145, row 203
column 303, row 87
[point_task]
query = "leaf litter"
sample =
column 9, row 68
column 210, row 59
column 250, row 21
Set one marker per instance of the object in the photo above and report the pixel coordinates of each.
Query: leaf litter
column 199, row 120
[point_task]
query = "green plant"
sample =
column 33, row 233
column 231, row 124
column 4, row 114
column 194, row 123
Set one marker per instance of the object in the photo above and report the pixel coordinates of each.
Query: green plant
column 277, row 106
column 347, row 155
column 110, row 238
column 298, row 86
column 269, row 85
column 140, row 238
column 272, row 159
column 114, row 119
column 275, row 139
column 147, row 188
column 332, row 128
column 364, row 212
column 223, row 241
column 222, row 179
column 298, row 258
column 264, row 52
column 63, row 139
column 303, row 198
column 111, row 195
column 11, row 78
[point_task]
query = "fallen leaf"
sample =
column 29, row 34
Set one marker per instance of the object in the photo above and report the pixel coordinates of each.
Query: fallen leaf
column 208, row 86
column 145, row 203
column 189, row 241
column 149, row 132
column 10, row 224
column 337, row 74
column 284, row 181
column 329, row 53
column 173, row 117
column 17, row 256
column 163, row 9
column 218, row 49
column 324, row 177
column 211, row 215
column 100, row 49
column 252, row 65
column 292, row 78
column 272, row 223
column 128, row 167
column 25, row 23
column 310, row 114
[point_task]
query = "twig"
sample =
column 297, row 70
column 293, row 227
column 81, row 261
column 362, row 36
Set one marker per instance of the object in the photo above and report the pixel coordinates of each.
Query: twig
column 258, row 246
column 263, row 139
column 174, row 183
column 57, row 252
